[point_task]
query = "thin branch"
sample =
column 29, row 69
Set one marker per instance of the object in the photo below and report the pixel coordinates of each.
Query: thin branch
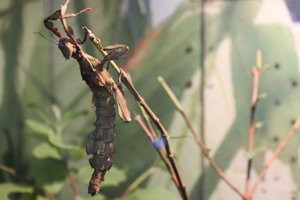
column 72, row 182
column 138, row 181
column 251, row 132
column 274, row 156
column 41, row 191
column 197, row 138
column 149, row 125
column 9, row 170
column 126, row 81
column 139, row 120
column 161, row 128
column 49, row 196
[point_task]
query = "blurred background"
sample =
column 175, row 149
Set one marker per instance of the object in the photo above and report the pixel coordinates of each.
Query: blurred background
column 204, row 49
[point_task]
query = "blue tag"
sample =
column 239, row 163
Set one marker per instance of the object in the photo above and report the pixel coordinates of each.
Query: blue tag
column 159, row 143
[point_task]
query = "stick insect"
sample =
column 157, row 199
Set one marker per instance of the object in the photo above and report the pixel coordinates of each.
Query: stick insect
column 102, row 86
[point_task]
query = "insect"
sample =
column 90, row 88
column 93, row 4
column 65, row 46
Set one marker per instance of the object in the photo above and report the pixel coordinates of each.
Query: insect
column 102, row 86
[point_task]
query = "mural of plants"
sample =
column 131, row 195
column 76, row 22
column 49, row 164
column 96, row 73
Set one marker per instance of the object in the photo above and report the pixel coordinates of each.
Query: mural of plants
column 221, row 122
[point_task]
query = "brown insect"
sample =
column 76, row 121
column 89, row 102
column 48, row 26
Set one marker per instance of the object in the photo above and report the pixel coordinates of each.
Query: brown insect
column 102, row 86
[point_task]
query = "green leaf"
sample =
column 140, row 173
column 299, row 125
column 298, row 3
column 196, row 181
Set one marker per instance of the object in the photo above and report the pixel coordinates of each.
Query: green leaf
column 258, row 125
column 99, row 197
column 71, row 114
column 114, row 177
column 41, row 111
column 84, row 174
column 75, row 152
column 7, row 188
column 28, row 196
column 263, row 95
column 44, row 150
column 56, row 112
column 45, row 133
column 180, row 137
column 39, row 130
column 41, row 198
column 264, row 69
column 54, row 187
column 250, row 155
column 49, row 173
column 152, row 193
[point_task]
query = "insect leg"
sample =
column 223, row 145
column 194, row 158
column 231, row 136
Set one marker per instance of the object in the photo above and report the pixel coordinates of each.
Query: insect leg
column 49, row 25
column 69, row 15
column 117, row 51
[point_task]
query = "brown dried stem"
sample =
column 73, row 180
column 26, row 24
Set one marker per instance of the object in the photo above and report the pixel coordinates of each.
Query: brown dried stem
column 275, row 154
column 251, row 132
column 139, row 120
column 49, row 196
column 9, row 170
column 149, row 125
column 197, row 138
column 138, row 181
column 126, row 81
column 165, row 135
column 72, row 182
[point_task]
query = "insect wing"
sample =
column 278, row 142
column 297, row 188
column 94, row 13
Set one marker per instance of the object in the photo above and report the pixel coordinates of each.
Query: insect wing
column 122, row 106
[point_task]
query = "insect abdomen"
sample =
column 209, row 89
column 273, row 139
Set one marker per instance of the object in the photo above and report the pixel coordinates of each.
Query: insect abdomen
column 101, row 147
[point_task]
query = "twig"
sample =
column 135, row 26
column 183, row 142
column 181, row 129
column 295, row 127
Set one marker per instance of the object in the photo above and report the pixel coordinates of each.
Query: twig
column 251, row 132
column 275, row 154
column 41, row 191
column 139, row 120
column 149, row 125
column 161, row 128
column 49, row 196
column 126, row 81
column 138, row 181
column 72, row 182
column 197, row 138
column 9, row 170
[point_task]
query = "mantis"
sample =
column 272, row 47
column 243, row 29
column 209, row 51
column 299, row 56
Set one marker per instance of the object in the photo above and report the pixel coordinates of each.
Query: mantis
column 102, row 87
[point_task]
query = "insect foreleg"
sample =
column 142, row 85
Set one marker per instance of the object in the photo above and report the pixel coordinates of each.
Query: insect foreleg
column 49, row 25
column 117, row 51
column 68, row 15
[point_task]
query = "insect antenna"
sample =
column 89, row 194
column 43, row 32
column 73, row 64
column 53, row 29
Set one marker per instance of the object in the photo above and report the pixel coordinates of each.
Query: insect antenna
column 54, row 41
column 52, row 36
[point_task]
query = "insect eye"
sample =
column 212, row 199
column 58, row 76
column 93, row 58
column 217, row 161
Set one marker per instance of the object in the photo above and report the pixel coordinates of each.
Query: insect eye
column 66, row 48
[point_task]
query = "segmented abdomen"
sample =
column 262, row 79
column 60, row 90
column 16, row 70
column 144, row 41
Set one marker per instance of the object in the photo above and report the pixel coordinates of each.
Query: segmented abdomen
column 101, row 147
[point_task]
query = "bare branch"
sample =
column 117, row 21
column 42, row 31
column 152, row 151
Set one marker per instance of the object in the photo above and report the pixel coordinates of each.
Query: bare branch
column 197, row 138
column 274, row 156
column 138, row 181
